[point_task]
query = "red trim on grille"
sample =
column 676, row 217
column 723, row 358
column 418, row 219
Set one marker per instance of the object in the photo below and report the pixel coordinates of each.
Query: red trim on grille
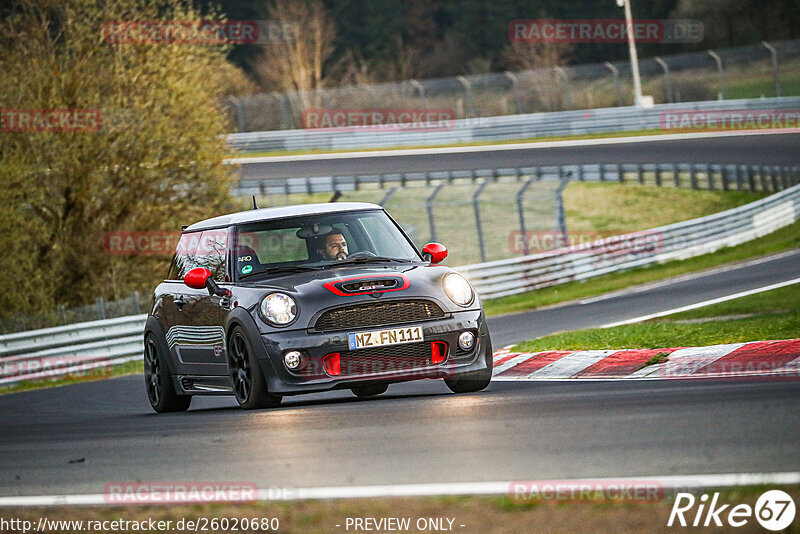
column 331, row 285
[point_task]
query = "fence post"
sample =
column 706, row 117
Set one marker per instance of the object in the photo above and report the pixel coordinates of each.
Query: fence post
column 738, row 170
column 723, row 169
column 751, row 181
column 775, row 72
column 567, row 96
column 721, row 74
column 561, row 218
column 135, row 301
column 101, row 307
column 429, row 206
column 388, row 196
column 667, row 80
column 470, row 109
column 476, row 207
column 676, row 178
column 710, row 177
column 515, row 89
column 640, row 173
column 521, row 210
column 658, row 175
column 615, row 72
column 239, row 112
column 693, row 176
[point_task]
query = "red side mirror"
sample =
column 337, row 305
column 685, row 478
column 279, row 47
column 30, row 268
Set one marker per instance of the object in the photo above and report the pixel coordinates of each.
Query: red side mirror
column 436, row 251
column 197, row 278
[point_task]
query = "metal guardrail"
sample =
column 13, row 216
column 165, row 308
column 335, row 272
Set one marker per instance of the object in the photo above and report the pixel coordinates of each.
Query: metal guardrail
column 66, row 349
column 505, row 127
column 70, row 349
column 675, row 241
column 694, row 175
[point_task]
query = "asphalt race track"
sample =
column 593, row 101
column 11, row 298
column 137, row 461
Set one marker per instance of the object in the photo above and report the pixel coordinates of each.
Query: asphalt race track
column 766, row 149
column 77, row 439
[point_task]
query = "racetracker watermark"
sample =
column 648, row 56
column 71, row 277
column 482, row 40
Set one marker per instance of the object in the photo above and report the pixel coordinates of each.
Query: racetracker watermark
column 50, row 120
column 199, row 32
column 724, row 368
column 54, row 367
column 604, row 31
column 738, row 119
column 165, row 243
column 180, row 492
column 386, row 119
column 590, row 242
column 586, row 490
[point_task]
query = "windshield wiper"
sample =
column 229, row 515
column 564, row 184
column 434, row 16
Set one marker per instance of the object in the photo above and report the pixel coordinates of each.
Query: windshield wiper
column 367, row 259
column 281, row 269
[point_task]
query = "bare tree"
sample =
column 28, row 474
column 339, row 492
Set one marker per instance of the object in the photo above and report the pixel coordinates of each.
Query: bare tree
column 302, row 64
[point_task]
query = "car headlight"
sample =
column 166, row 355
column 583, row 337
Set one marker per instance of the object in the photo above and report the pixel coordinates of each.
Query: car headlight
column 279, row 309
column 458, row 289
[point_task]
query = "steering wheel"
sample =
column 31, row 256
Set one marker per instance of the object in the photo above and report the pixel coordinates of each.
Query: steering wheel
column 362, row 254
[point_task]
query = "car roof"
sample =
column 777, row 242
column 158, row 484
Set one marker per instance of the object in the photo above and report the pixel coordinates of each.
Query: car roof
column 282, row 212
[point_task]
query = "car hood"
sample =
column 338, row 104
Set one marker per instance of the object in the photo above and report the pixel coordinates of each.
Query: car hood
column 341, row 286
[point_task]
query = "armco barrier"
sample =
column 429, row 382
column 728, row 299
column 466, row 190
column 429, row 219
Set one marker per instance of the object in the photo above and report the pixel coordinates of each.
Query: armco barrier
column 56, row 351
column 119, row 340
column 771, row 178
column 505, row 127
column 675, row 241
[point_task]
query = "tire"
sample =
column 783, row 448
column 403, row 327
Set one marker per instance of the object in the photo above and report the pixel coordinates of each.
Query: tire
column 371, row 390
column 158, row 380
column 474, row 381
column 249, row 386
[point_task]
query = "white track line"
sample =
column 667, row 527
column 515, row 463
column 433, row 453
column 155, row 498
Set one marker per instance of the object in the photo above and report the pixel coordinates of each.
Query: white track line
column 704, row 303
column 687, row 277
column 669, row 482
column 571, row 364
column 510, row 146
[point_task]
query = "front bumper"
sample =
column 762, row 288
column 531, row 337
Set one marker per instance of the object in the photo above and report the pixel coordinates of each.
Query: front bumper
column 386, row 369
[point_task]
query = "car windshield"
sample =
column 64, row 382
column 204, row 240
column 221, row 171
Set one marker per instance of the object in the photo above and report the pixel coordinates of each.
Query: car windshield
column 319, row 241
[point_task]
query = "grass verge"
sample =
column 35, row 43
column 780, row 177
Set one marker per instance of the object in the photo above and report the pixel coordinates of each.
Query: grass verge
column 128, row 368
column 765, row 316
column 786, row 238
column 469, row 514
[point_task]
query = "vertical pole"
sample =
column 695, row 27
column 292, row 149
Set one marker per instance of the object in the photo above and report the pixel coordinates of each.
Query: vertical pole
column 637, row 83
column 521, row 211
column 617, row 88
column 476, row 207
column 667, row 80
column 567, row 97
column 775, row 72
column 470, row 110
column 238, row 110
column 720, row 73
column 388, row 196
column 429, row 206
column 515, row 90
column 561, row 217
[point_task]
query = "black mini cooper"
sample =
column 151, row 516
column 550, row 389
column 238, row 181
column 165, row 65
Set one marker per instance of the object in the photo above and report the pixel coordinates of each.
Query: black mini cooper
column 299, row 299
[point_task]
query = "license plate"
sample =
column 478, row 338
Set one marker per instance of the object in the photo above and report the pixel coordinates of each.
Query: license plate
column 382, row 338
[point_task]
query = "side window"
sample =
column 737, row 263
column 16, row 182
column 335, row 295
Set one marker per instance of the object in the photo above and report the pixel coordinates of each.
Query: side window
column 210, row 253
column 280, row 245
column 183, row 261
column 384, row 241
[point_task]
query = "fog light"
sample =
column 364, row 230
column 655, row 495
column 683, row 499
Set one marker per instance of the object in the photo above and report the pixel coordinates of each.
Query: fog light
column 292, row 359
column 466, row 340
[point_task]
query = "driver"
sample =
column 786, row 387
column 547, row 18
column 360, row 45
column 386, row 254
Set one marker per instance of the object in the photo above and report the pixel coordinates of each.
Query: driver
column 334, row 247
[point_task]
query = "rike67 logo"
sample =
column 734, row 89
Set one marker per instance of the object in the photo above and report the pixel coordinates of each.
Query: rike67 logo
column 774, row 510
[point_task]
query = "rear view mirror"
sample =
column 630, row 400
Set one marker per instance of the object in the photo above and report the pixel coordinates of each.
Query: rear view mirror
column 200, row 278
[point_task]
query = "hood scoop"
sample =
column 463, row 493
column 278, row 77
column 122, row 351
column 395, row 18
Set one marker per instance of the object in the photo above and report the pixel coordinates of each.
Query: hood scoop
column 367, row 284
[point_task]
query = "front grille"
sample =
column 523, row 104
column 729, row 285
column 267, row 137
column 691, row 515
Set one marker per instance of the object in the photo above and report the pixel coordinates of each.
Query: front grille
column 378, row 314
column 385, row 359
